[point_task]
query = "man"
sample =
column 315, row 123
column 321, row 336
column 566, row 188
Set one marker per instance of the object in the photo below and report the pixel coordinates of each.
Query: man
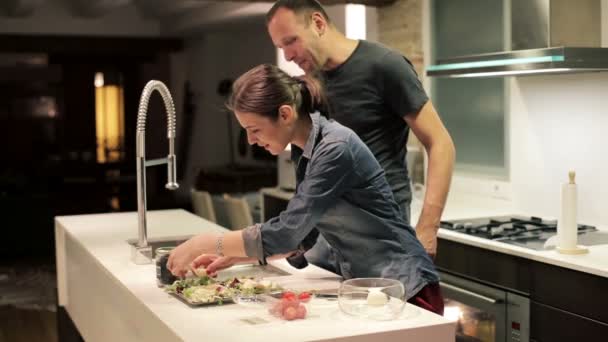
column 376, row 92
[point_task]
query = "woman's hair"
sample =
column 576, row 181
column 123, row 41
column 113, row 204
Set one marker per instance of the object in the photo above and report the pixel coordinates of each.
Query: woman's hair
column 265, row 88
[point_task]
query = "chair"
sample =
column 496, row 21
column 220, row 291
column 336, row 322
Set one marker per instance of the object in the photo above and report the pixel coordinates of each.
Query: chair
column 232, row 212
column 202, row 205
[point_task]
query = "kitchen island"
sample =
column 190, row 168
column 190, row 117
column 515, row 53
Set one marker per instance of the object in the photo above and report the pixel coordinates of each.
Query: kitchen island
column 109, row 298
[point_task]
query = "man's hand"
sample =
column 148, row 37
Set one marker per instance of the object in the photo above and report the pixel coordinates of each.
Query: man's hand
column 427, row 235
column 214, row 263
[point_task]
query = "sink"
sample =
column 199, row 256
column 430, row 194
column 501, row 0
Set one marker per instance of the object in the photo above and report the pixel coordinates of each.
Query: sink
column 236, row 271
column 147, row 255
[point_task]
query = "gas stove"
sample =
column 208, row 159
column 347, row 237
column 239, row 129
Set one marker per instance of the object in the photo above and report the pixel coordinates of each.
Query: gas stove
column 524, row 231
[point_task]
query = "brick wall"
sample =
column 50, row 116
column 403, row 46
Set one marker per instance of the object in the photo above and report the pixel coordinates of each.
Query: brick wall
column 400, row 27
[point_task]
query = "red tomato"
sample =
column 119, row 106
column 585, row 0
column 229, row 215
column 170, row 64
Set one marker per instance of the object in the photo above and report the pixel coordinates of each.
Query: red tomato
column 304, row 297
column 289, row 295
column 290, row 302
column 301, row 312
column 290, row 313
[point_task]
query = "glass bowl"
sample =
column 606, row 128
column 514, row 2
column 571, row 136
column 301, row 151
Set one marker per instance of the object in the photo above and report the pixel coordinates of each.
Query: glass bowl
column 373, row 298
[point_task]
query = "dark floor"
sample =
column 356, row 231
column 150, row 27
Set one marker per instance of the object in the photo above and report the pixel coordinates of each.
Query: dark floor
column 28, row 293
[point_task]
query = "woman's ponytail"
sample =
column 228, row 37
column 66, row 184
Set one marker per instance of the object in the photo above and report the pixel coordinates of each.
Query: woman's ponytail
column 263, row 89
column 312, row 95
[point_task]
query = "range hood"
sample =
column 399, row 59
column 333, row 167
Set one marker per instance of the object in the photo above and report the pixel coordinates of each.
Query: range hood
column 547, row 37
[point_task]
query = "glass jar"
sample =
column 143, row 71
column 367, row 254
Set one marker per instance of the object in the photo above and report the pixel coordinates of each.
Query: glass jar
column 163, row 275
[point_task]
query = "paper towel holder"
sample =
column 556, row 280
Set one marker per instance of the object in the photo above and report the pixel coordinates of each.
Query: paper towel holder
column 576, row 249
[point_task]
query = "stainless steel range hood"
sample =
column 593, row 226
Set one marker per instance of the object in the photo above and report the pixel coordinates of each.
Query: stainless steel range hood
column 547, row 36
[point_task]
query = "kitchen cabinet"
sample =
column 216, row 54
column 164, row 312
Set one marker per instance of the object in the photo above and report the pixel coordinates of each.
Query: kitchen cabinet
column 235, row 179
column 272, row 202
column 551, row 324
column 563, row 302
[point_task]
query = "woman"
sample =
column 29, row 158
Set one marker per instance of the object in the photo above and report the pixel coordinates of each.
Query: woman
column 342, row 193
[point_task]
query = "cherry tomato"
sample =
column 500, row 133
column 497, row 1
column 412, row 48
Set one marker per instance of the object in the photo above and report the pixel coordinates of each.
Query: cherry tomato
column 289, row 295
column 290, row 302
column 304, row 297
column 290, row 313
column 301, row 312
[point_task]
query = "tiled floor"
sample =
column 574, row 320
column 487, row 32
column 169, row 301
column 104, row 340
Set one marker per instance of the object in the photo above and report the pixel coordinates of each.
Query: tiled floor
column 28, row 301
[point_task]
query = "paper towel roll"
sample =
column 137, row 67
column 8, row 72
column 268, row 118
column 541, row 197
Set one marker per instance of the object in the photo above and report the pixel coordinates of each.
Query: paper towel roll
column 566, row 226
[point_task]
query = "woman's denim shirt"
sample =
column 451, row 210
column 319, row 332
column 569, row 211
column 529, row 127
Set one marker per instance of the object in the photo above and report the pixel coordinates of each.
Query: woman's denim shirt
column 342, row 193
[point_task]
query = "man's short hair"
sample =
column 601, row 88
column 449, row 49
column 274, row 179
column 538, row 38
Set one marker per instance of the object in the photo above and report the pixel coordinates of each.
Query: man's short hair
column 298, row 7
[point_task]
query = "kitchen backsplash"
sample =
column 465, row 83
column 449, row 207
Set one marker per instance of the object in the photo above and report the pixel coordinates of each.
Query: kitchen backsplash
column 558, row 123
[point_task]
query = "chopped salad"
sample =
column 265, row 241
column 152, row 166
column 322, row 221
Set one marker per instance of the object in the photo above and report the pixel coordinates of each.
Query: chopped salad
column 206, row 290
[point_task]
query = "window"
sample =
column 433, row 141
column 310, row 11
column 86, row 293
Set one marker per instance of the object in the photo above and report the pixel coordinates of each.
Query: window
column 109, row 117
column 473, row 109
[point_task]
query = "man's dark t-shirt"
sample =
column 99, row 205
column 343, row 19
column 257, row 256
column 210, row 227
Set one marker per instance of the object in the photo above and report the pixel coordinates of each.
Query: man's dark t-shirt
column 371, row 93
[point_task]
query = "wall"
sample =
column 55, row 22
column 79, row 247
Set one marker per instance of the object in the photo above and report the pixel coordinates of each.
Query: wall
column 400, row 27
column 205, row 61
column 558, row 123
column 605, row 23
column 54, row 18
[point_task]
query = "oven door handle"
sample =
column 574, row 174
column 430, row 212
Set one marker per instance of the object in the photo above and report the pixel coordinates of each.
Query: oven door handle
column 472, row 294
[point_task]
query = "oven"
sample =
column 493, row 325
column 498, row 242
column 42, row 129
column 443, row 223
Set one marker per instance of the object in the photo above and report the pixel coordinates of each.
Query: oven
column 484, row 313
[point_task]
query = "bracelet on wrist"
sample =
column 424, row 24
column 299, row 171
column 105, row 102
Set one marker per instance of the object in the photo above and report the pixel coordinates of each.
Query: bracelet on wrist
column 219, row 245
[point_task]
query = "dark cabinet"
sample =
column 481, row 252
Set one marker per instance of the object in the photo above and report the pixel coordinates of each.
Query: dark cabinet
column 549, row 324
column 566, row 305
column 571, row 291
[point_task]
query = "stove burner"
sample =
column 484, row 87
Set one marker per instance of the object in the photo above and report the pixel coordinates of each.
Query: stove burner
column 529, row 232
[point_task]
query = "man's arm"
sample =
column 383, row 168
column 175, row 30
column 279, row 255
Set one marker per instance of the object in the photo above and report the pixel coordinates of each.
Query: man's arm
column 429, row 129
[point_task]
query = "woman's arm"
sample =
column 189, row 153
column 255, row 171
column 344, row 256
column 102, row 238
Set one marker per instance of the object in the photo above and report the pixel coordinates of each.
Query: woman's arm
column 328, row 177
column 214, row 263
column 222, row 244
column 228, row 245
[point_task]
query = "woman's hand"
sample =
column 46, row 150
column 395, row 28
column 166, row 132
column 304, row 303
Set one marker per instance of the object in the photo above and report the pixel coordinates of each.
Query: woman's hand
column 181, row 257
column 214, row 263
column 229, row 243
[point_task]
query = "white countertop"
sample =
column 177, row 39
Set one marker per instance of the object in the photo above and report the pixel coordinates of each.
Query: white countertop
column 471, row 206
column 110, row 298
column 463, row 206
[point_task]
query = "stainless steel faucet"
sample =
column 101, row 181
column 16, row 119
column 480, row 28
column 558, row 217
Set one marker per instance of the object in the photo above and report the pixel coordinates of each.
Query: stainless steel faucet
column 142, row 253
